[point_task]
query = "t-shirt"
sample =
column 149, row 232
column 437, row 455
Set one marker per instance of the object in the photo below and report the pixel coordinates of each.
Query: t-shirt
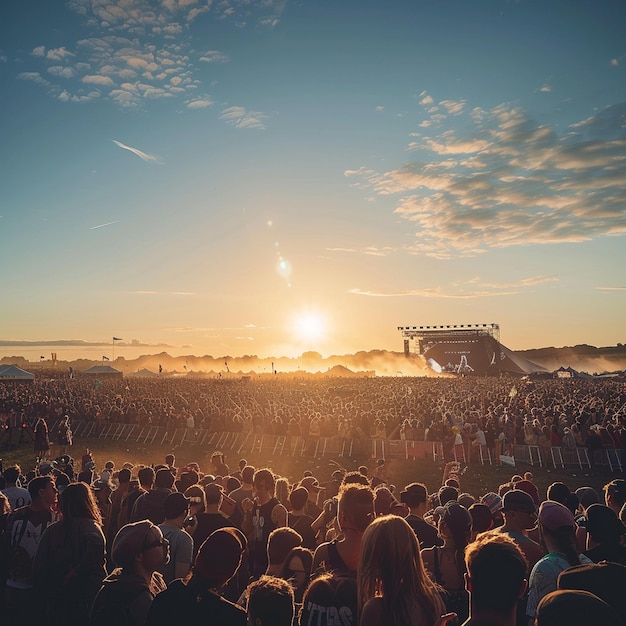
column 17, row 496
column 24, row 530
column 181, row 550
column 330, row 602
column 426, row 533
column 544, row 577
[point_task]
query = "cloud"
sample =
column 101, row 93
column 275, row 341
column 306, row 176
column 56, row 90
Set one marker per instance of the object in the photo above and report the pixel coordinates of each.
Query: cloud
column 241, row 118
column 545, row 89
column 142, row 155
column 611, row 288
column 200, row 103
column 103, row 225
column 508, row 180
column 143, row 292
column 103, row 81
column 435, row 292
column 39, row 51
column 615, row 62
column 214, row 56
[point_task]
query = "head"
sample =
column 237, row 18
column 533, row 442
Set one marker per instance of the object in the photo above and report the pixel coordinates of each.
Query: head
column 140, row 547
column 280, row 542
column 146, row 478
column 77, row 501
column 213, row 494
column 355, row 507
column 448, row 494
column 11, row 474
column 218, row 558
column 247, row 474
column 603, row 525
column 263, row 482
column 270, row 602
column 391, row 565
column 414, row 496
column 170, row 460
column 197, row 498
column 164, row 479
column 558, row 492
column 587, row 496
column 496, row 573
column 43, row 492
column 520, row 511
column 298, row 498
column 615, row 494
column 556, row 525
column 176, row 506
column 455, row 524
column 574, row 608
column 482, row 519
column 297, row 568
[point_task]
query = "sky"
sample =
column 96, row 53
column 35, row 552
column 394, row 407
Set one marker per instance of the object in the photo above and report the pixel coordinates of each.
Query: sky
column 246, row 177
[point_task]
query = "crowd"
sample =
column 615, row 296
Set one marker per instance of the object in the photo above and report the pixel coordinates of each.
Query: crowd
column 160, row 545
column 494, row 413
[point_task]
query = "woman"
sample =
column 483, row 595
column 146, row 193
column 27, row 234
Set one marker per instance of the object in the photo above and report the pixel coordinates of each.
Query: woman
column 69, row 564
column 394, row 589
column 42, row 441
column 297, row 571
column 446, row 563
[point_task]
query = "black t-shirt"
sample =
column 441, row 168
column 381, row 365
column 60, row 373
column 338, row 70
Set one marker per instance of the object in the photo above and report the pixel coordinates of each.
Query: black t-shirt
column 330, row 601
column 426, row 533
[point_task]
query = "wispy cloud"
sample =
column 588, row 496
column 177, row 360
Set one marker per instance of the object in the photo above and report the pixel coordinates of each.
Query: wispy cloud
column 150, row 158
column 611, row 288
column 435, row 292
column 241, row 118
column 508, row 181
column 146, row 292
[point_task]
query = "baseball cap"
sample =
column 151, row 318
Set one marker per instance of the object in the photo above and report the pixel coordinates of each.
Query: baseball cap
column 310, row 483
column 603, row 524
column 517, row 500
column 493, row 501
column 587, row 496
column 554, row 515
column 574, row 608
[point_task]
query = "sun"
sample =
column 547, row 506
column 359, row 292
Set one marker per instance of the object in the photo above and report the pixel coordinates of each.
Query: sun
column 310, row 327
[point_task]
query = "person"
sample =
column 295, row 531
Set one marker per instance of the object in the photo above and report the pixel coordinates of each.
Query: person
column 69, row 564
column 64, row 434
column 261, row 517
column 211, row 518
column 150, row 505
column 241, row 493
column 197, row 599
column 446, row 563
column 495, row 579
column 41, row 444
column 176, row 507
column 297, row 571
column 139, row 550
column 18, row 496
column 415, row 496
column 218, row 460
column 117, row 498
column 556, row 528
column 270, row 602
column 25, row 526
column 145, row 476
column 605, row 532
column 575, row 608
column 279, row 544
column 615, row 494
column 355, row 511
column 394, row 589
column 297, row 518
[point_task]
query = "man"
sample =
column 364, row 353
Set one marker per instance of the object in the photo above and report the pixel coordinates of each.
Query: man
column 298, row 520
column 270, row 602
column 311, row 484
column 145, row 476
column 605, row 534
column 16, row 495
column 615, row 494
column 415, row 496
column 150, row 505
column 520, row 515
column 261, row 517
column 117, row 497
column 24, row 529
column 176, row 508
column 241, row 493
column 495, row 580
column 279, row 544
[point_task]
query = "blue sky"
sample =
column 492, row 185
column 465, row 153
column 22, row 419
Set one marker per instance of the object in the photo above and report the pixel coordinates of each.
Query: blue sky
column 272, row 177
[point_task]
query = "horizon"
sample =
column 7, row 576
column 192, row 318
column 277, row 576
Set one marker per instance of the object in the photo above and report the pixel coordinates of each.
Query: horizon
column 279, row 177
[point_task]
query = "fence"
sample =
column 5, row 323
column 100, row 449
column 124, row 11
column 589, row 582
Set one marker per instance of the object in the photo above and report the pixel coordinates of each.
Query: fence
column 320, row 447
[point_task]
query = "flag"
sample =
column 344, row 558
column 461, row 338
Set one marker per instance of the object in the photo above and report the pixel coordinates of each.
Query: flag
column 117, row 339
column 105, row 358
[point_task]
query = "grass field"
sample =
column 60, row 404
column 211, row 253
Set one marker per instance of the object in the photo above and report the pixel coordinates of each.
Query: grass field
column 476, row 479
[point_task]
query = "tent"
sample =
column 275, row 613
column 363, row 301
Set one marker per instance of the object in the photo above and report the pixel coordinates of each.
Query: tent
column 13, row 372
column 102, row 370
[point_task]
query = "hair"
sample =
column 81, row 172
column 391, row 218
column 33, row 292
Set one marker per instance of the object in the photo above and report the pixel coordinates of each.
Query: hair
column 271, row 600
column 497, row 569
column 197, row 494
column 328, row 590
column 11, row 474
column 282, row 491
column 306, row 556
column 170, row 459
column 357, row 504
column 355, row 478
column 5, row 506
column 265, row 475
column 38, row 483
column 459, row 522
column 164, row 479
column 77, row 501
column 280, row 542
column 146, row 476
column 247, row 474
column 575, row 608
column 391, row 567
column 565, row 540
column 558, row 492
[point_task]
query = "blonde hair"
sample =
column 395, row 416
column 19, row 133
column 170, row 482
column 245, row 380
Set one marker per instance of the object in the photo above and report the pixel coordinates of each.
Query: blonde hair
column 391, row 568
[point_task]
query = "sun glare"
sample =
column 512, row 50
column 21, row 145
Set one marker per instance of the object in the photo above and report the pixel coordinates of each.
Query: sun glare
column 310, row 327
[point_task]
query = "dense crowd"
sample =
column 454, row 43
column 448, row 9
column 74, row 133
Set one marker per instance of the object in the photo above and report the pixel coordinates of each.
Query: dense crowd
column 150, row 545
column 160, row 545
column 468, row 412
